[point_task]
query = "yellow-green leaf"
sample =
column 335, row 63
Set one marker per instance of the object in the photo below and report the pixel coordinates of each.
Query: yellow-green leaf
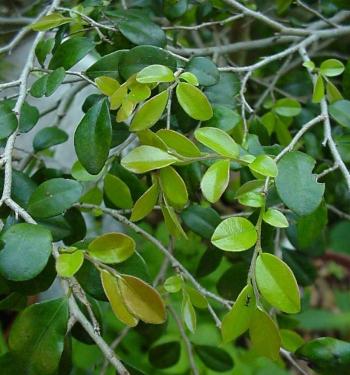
column 197, row 299
column 118, row 96
column 172, row 222
column 155, row 73
column 68, row 264
column 112, row 247
column 173, row 187
column 188, row 314
column 318, row 93
column 107, row 85
column 117, row 191
column 179, row 143
column 49, row 22
column 144, row 205
column 264, row 165
column 275, row 218
column 173, row 284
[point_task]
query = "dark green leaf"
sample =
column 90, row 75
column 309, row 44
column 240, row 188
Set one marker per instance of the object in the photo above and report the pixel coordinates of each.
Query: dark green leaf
column 106, row 66
column 165, row 355
column 49, row 137
column 204, row 69
column 214, row 358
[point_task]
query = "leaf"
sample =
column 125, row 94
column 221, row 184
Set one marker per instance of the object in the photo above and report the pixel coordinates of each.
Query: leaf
column 189, row 78
column 340, row 112
column 150, row 112
column 264, row 165
column 43, row 48
column 214, row 358
column 93, row 136
column 117, row 191
column 197, row 299
column 333, row 93
column 154, row 74
column 237, row 320
column 147, row 158
column 291, row 340
column 165, row 355
column 68, row 264
column 28, row 118
column 295, row 169
column 287, row 107
column 26, row 251
column 48, row 137
column 327, row 355
column 70, row 52
column 53, row 197
column 172, row 221
column 224, row 118
column 215, row 180
column 318, row 93
column 107, row 85
column 80, row 173
column 41, row 347
column 332, row 68
column 173, row 187
column 112, row 247
column 194, row 102
column 277, row 283
column 264, row 335
column 112, row 291
column 8, row 121
column 142, row 300
column 179, row 143
column 218, row 141
column 229, row 84
column 250, row 186
column 106, row 66
column 50, row 22
column 252, row 199
column 173, row 284
column 275, row 218
column 142, row 56
column 144, row 205
column 188, row 314
column 234, row 234
column 204, row 69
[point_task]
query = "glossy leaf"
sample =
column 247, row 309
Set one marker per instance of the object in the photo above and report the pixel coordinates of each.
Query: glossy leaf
column 48, row 137
column 49, row 22
column 318, row 93
column 172, row 221
column 144, row 205
column 68, row 264
column 106, row 66
column 173, row 187
column 189, row 314
column 179, row 143
column 8, row 121
column 264, row 165
column 332, row 68
column 275, row 218
column 107, row 85
column 117, row 191
column 155, row 73
column 340, row 112
column 189, row 78
column 214, row 358
column 204, row 69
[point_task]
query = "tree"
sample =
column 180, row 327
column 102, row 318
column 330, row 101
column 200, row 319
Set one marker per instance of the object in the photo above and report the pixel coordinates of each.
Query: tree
column 215, row 142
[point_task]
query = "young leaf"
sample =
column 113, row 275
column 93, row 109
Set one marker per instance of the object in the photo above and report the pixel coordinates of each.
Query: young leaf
column 173, row 284
column 117, row 191
column 173, row 187
column 107, row 85
column 150, row 112
column 318, row 93
column 68, row 264
column 332, row 68
column 112, row 248
column 234, row 234
column 172, row 222
column 237, row 320
column 251, row 199
column 197, row 299
column 189, row 78
column 333, row 93
column 144, row 205
column 142, row 300
column 179, row 143
column 112, row 291
column 92, row 139
column 189, row 314
column 49, row 22
column 291, row 340
column 277, row 283
column 217, row 140
column 264, row 165
column 155, row 73
column 147, row 158
column 215, row 180
column 194, row 102
column 275, row 218
column 287, row 107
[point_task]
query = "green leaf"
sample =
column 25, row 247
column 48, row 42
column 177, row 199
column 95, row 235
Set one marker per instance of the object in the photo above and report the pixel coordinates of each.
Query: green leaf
column 165, row 355
column 332, row 68
column 112, row 247
column 28, row 118
column 112, row 291
column 144, row 205
column 318, row 93
column 179, row 143
column 68, row 264
column 172, row 221
column 147, row 158
column 250, row 186
column 287, row 107
column 26, row 251
column 106, row 66
column 237, row 320
column 252, row 199
column 264, row 335
column 291, row 340
column 70, row 52
column 150, row 112
column 142, row 300
column 197, row 299
column 188, row 314
column 215, row 180
column 194, row 102
column 309, row 64
column 154, row 74
column 264, row 165
column 107, row 85
column 45, row 326
column 275, row 218
column 173, row 284
column 48, row 137
column 224, row 118
column 53, row 197
column 340, row 112
column 189, row 78
column 50, row 22
column 295, row 169
column 204, row 69
column 81, row 174
column 234, row 234
column 333, row 93
column 93, row 136
column 173, row 187
column 43, row 48
column 214, row 358
column 117, row 191
column 277, row 283
column 217, row 140
column 8, row 121
column 327, row 355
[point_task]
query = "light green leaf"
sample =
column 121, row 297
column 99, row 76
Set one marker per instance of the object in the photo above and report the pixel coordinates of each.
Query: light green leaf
column 264, row 165
column 332, row 68
column 179, row 143
column 147, row 158
column 193, row 102
column 277, row 283
column 155, row 73
column 318, row 93
column 237, row 320
column 234, row 234
column 333, row 94
column 173, row 284
column 309, row 64
column 49, row 22
column 112, row 247
column 189, row 78
column 150, row 112
column 117, row 191
column 173, row 187
column 197, row 299
column 68, row 264
column 291, row 340
column 217, row 140
column 81, row 174
column 107, row 85
column 275, row 218
column 287, row 107
column 189, row 314
column 172, row 221
column 252, row 199
column 215, row 180
column 144, row 205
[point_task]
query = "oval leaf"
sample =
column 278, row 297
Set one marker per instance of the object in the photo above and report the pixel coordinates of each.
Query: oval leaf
column 68, row 264
column 173, row 187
